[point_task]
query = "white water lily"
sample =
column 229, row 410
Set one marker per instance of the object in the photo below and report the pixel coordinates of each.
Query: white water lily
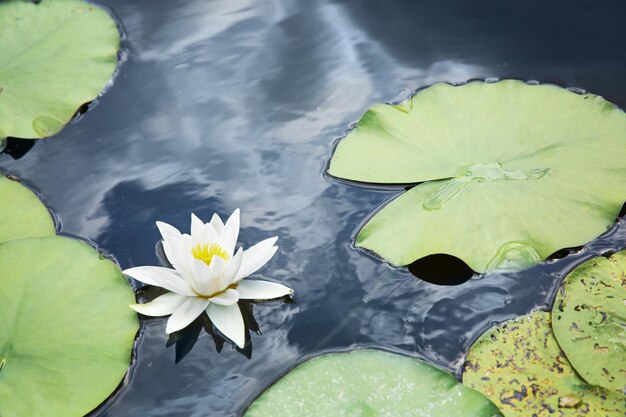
column 208, row 275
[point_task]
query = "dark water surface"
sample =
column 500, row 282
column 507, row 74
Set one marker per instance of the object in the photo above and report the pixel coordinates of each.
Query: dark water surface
column 236, row 103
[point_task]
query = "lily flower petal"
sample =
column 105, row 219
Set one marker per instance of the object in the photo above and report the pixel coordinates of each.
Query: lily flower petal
column 229, row 321
column 208, row 234
column 176, row 252
column 257, row 256
column 229, row 235
column 161, row 277
column 217, row 224
column 202, row 233
column 251, row 289
column 203, row 278
column 190, row 309
column 168, row 231
column 226, row 298
column 160, row 306
column 218, row 265
column 232, row 269
column 197, row 225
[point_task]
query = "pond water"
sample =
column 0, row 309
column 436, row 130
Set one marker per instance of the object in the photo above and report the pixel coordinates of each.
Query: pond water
column 236, row 103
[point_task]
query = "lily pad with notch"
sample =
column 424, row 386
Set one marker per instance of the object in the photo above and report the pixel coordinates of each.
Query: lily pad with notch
column 521, row 368
column 508, row 172
column 66, row 332
column 369, row 382
column 55, row 56
column 589, row 320
column 22, row 214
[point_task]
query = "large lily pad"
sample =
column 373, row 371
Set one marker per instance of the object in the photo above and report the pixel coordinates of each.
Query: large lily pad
column 54, row 56
column 22, row 214
column 511, row 172
column 589, row 320
column 521, row 368
column 369, row 383
column 66, row 332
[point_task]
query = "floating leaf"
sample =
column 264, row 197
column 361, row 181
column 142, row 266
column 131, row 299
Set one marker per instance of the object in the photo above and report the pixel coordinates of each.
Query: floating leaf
column 22, row 214
column 589, row 320
column 512, row 172
column 521, row 368
column 54, row 56
column 369, row 383
column 66, row 332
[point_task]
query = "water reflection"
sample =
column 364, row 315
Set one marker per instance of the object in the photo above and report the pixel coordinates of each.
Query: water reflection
column 184, row 340
column 227, row 104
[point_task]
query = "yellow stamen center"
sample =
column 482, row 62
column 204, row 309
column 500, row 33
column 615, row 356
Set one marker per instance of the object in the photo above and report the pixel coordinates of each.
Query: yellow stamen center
column 205, row 252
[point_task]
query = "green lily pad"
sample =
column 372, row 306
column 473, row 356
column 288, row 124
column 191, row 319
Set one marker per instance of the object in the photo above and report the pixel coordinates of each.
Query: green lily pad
column 511, row 172
column 369, row 383
column 22, row 214
column 589, row 320
column 521, row 368
column 54, row 57
column 66, row 332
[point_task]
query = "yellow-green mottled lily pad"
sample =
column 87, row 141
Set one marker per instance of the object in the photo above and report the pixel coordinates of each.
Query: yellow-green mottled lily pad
column 589, row 320
column 22, row 214
column 510, row 172
column 54, row 57
column 66, row 332
column 521, row 368
column 369, row 383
